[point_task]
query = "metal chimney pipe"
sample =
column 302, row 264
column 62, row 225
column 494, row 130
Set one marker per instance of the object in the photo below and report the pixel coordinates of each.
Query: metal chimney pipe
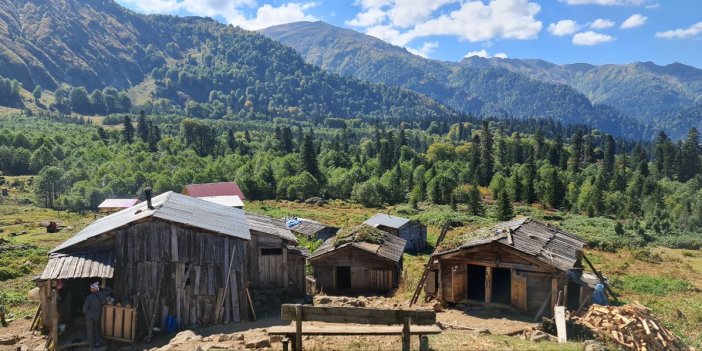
column 147, row 192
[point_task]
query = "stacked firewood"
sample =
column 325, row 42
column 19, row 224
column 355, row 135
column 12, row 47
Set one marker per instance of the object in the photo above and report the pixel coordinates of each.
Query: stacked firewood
column 632, row 326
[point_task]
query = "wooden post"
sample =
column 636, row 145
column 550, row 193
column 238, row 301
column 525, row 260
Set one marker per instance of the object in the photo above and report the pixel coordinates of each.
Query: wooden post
column 423, row 343
column 559, row 315
column 406, row 335
column 554, row 292
column 298, row 327
column 285, row 267
column 488, row 284
column 155, row 307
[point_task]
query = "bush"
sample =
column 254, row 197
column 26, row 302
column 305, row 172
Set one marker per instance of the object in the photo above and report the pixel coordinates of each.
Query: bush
column 7, row 273
column 686, row 241
column 645, row 255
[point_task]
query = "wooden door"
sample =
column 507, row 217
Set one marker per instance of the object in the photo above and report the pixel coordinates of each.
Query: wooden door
column 270, row 268
column 519, row 290
column 458, row 283
column 380, row 279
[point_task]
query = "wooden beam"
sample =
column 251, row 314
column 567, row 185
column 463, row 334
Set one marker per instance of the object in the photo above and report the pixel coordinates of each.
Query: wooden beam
column 559, row 314
column 600, row 277
column 359, row 315
column 298, row 327
column 406, row 334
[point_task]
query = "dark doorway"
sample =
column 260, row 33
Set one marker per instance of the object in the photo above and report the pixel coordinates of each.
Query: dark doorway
column 476, row 283
column 501, row 285
column 573, row 302
column 343, row 277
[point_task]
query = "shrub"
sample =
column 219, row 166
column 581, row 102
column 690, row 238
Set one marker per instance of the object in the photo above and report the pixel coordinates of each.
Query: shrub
column 645, row 255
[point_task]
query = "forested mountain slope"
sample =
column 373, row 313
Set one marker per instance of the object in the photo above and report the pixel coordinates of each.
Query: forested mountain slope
column 520, row 88
column 203, row 67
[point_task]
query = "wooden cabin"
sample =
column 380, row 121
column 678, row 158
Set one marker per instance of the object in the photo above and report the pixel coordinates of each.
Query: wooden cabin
column 110, row 206
column 275, row 261
column 414, row 233
column 358, row 260
column 172, row 255
column 523, row 264
column 312, row 230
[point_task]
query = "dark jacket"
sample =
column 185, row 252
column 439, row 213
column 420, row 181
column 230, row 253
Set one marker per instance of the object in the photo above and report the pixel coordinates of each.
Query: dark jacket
column 92, row 308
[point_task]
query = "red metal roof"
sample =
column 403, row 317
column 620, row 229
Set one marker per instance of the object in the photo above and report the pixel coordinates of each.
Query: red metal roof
column 214, row 189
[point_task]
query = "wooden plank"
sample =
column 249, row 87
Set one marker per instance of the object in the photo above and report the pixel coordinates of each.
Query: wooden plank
column 488, row 284
column 341, row 330
column 298, row 327
column 118, row 330
column 174, row 243
column 559, row 313
column 284, row 268
column 519, row 291
column 358, row 315
column 196, row 287
column 406, row 334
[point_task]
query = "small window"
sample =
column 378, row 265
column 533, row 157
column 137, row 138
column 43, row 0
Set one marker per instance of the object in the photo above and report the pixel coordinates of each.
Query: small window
column 270, row 252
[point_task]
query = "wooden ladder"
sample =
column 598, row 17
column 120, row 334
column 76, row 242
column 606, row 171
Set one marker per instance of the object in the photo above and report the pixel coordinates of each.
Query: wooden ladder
column 423, row 279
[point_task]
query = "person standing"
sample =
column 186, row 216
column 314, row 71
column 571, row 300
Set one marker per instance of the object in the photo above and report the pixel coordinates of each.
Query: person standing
column 92, row 308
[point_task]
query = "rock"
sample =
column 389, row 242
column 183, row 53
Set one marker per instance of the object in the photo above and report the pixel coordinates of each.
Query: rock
column 239, row 337
column 258, row 343
column 437, row 307
column 8, row 339
column 207, row 339
column 307, row 337
column 539, row 336
column 223, row 337
column 322, row 300
column 184, row 336
column 276, row 338
column 482, row 331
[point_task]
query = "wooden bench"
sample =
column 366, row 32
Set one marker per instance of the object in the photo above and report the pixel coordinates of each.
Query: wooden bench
column 385, row 321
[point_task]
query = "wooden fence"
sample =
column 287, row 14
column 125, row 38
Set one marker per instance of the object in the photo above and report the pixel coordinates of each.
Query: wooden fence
column 119, row 323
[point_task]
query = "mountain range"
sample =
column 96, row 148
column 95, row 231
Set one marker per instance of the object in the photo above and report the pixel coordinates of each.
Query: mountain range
column 206, row 68
column 610, row 97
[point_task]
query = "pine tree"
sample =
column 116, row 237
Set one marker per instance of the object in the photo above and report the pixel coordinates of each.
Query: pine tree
column 504, row 211
column 530, row 188
column 690, row 156
column 37, row 92
column 143, row 127
column 102, row 134
column 154, row 137
column 608, row 161
column 231, row 140
column 308, row 155
column 574, row 163
column 518, row 153
column 539, row 146
column 475, row 205
column 127, row 130
column 485, row 169
column 517, row 183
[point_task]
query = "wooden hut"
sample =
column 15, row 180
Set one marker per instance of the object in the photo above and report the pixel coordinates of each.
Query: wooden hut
column 310, row 229
column 522, row 263
column 414, row 233
column 358, row 260
column 275, row 261
column 110, row 206
column 172, row 256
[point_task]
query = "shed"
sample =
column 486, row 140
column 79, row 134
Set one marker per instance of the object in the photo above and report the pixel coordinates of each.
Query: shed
column 358, row 260
column 310, row 229
column 115, row 205
column 275, row 261
column 414, row 233
column 214, row 189
column 522, row 263
column 172, row 255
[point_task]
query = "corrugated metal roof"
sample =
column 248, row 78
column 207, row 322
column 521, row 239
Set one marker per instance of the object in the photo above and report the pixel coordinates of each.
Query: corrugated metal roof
column 224, row 200
column 305, row 226
column 544, row 242
column 171, row 207
column 386, row 220
column 268, row 225
column 391, row 247
column 214, row 189
column 80, row 265
column 118, row 203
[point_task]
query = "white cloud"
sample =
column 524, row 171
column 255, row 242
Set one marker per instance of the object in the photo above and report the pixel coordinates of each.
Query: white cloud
column 484, row 54
column 231, row 10
column 368, row 18
column 591, row 38
column 426, row 49
column 682, row 33
column 605, row 2
column 563, row 27
column 634, row 21
column 602, row 23
column 401, row 21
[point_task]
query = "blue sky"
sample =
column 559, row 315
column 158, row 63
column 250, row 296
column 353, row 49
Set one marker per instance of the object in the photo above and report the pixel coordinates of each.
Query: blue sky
column 560, row 31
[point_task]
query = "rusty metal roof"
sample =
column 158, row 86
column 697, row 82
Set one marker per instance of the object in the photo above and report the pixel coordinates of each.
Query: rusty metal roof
column 80, row 265
column 214, row 189
column 171, row 207
column 391, row 247
column 386, row 220
column 548, row 244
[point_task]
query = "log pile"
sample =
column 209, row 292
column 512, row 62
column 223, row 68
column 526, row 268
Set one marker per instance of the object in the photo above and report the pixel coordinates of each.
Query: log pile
column 632, row 326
